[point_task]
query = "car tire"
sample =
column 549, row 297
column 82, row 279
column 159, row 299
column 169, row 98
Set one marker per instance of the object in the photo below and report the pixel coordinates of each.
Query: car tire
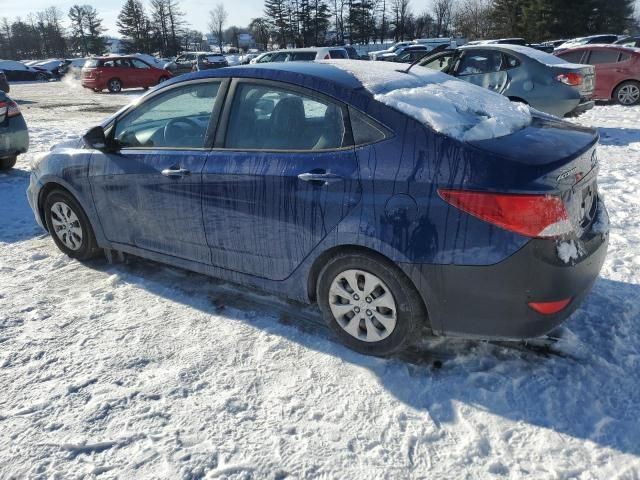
column 7, row 163
column 627, row 93
column 42, row 77
column 114, row 85
column 375, row 293
column 162, row 79
column 69, row 226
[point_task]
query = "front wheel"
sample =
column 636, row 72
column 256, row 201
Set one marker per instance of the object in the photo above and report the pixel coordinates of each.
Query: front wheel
column 114, row 85
column 69, row 226
column 7, row 163
column 370, row 304
column 627, row 93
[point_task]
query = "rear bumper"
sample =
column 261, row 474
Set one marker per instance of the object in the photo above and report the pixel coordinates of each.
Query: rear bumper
column 492, row 301
column 14, row 137
column 93, row 83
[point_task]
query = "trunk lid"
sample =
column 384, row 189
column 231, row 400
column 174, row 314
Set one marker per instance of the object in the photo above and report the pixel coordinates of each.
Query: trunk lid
column 550, row 156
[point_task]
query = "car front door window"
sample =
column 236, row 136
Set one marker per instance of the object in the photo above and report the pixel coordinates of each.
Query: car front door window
column 178, row 118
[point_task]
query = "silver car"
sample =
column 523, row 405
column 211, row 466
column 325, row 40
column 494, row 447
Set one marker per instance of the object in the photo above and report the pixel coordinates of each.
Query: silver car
column 541, row 80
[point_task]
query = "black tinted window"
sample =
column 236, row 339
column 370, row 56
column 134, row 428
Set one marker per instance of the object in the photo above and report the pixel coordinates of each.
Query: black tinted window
column 270, row 118
column 598, row 57
column 338, row 54
column 572, row 57
column 365, row 129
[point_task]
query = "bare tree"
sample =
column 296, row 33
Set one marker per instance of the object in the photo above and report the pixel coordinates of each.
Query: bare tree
column 442, row 12
column 400, row 12
column 472, row 19
column 217, row 19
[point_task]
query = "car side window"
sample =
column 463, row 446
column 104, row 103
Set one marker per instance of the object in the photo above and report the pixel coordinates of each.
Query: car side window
column 510, row 62
column 338, row 54
column 139, row 63
column 624, row 57
column 271, row 118
column 598, row 57
column 572, row 57
column 178, row 118
column 441, row 63
column 365, row 129
column 480, row 62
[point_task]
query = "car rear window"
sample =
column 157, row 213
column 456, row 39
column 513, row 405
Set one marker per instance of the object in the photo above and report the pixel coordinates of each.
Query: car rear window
column 214, row 58
column 91, row 63
column 572, row 57
column 302, row 56
column 338, row 54
column 598, row 57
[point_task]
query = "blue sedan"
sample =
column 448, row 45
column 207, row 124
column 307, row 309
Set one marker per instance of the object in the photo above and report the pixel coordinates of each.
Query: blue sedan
column 399, row 200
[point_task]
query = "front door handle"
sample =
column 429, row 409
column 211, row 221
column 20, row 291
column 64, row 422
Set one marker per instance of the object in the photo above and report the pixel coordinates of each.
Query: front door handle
column 323, row 178
column 175, row 172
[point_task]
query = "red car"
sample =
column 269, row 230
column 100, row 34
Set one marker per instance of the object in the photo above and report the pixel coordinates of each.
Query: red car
column 617, row 70
column 116, row 73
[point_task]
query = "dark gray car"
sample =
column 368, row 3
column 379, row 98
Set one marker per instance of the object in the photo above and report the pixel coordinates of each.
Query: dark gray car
column 545, row 82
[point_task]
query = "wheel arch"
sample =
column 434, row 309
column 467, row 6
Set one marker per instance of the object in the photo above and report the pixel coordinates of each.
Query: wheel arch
column 615, row 87
column 49, row 187
column 321, row 260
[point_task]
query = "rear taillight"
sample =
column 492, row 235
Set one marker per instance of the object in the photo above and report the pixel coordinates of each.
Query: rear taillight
column 540, row 216
column 549, row 308
column 573, row 79
column 9, row 109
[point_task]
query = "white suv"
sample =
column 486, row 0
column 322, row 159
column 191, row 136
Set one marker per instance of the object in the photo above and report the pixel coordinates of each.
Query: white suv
column 309, row 54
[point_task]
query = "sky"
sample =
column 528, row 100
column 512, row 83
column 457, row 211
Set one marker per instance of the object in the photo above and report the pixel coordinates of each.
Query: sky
column 196, row 11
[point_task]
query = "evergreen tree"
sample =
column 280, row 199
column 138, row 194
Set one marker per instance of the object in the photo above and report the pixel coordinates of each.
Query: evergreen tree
column 134, row 26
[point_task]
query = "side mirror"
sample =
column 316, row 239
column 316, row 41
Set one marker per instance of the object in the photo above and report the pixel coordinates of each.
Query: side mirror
column 96, row 139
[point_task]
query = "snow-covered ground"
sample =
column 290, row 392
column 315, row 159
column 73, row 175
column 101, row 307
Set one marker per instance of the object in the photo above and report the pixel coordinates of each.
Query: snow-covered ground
column 139, row 370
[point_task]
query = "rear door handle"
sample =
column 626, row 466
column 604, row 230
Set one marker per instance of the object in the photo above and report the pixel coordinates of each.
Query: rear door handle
column 320, row 178
column 175, row 172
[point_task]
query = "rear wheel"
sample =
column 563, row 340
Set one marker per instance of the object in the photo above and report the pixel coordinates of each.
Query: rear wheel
column 7, row 163
column 69, row 226
column 369, row 303
column 114, row 85
column 627, row 93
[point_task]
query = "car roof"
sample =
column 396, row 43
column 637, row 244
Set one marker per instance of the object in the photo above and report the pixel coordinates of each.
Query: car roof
column 610, row 46
column 297, row 73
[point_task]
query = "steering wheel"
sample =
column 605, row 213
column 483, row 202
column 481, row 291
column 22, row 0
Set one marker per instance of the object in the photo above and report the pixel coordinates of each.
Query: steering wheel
column 174, row 132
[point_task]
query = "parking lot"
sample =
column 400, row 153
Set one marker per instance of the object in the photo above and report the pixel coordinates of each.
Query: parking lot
column 142, row 370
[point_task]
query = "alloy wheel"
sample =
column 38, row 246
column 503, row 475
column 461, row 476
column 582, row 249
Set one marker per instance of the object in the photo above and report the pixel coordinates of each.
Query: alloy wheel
column 363, row 305
column 629, row 94
column 66, row 225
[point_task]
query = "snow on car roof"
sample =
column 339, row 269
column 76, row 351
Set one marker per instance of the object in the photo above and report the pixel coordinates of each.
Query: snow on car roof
column 449, row 106
column 538, row 55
